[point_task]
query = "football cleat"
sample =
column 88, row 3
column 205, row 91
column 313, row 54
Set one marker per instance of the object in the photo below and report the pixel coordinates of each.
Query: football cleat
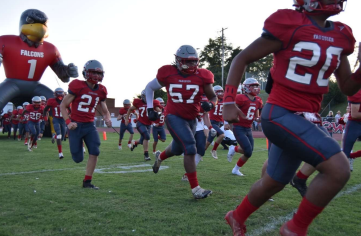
column 30, row 145
column 271, row 200
column 89, row 185
column 30, row 149
column 53, row 139
column 237, row 228
column 19, row 139
column 120, row 147
column 351, row 160
column 200, row 193
column 39, row 138
column 129, row 145
column 214, row 154
column 147, row 158
column 61, row 156
column 25, row 143
column 284, row 231
column 185, row 178
column 300, row 185
column 35, row 146
column 231, row 153
column 157, row 162
column 133, row 145
column 237, row 172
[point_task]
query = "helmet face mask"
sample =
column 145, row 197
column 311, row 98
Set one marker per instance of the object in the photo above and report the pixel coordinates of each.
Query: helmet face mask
column 59, row 94
column 93, row 72
column 36, row 101
column 317, row 7
column 186, row 59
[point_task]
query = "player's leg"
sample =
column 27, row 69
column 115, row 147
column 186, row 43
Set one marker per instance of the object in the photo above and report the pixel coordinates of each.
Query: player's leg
column 131, row 132
column 219, row 139
column 244, row 138
column 352, row 132
column 123, row 128
column 21, row 131
column 92, row 141
column 144, row 139
column 15, row 129
column 37, row 128
column 76, row 143
column 27, row 131
column 155, row 138
column 59, row 130
column 53, row 133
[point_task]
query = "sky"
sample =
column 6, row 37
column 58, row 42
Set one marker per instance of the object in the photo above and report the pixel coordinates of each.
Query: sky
column 133, row 39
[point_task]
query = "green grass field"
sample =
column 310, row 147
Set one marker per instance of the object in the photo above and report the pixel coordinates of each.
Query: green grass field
column 42, row 195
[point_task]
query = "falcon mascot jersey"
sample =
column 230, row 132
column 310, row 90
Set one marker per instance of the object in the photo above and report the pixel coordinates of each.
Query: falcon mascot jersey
column 184, row 92
column 85, row 101
column 31, row 62
column 55, row 107
column 142, row 107
column 355, row 99
column 308, row 57
column 249, row 108
column 35, row 115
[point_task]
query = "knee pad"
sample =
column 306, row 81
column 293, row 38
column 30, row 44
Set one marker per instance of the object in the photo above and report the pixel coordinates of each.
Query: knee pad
column 78, row 156
column 190, row 149
column 248, row 152
column 58, row 136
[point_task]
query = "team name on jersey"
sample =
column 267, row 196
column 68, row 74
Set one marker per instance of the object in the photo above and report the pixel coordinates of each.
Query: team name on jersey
column 184, row 81
column 93, row 93
column 31, row 53
column 323, row 38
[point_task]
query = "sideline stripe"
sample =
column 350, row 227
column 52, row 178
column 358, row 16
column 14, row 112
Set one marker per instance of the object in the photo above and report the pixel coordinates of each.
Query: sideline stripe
column 277, row 222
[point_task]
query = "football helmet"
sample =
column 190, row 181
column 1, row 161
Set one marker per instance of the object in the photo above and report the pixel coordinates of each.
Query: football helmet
column 59, row 93
column 317, row 7
column 187, row 59
column 36, row 101
column 126, row 103
column 161, row 101
column 93, row 72
column 219, row 91
column 19, row 107
column 25, row 104
column 142, row 96
column 250, row 88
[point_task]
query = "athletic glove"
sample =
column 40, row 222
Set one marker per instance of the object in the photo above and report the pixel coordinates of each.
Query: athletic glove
column 72, row 70
column 207, row 106
column 152, row 114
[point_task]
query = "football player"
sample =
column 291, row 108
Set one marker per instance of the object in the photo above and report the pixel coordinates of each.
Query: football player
column 84, row 97
column 15, row 120
column 35, row 111
column 53, row 104
column 216, row 120
column 26, row 56
column 158, row 127
column 7, row 122
column 250, row 104
column 307, row 49
column 185, row 84
column 24, row 120
column 143, row 123
column 42, row 121
column 123, row 116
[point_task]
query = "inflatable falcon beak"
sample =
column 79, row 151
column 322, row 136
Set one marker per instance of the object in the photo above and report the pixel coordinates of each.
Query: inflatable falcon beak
column 33, row 25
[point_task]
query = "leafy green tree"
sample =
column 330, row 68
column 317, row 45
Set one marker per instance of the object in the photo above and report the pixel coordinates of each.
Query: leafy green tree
column 334, row 95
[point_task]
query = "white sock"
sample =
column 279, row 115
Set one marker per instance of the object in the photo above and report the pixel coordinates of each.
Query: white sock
column 198, row 158
column 236, row 167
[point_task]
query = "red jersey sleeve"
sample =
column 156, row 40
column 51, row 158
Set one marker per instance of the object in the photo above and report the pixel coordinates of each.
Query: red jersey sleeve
column 164, row 72
column 104, row 91
column 347, row 31
column 239, row 100
column 74, row 87
column 355, row 99
column 260, row 102
column 137, row 102
column 207, row 75
column 281, row 25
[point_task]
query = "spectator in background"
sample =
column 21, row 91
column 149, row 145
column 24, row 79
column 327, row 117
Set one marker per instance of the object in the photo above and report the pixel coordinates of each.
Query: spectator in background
column 330, row 119
column 337, row 117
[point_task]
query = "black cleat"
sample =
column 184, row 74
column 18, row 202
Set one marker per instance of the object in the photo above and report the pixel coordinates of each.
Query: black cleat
column 200, row 193
column 157, row 162
column 147, row 158
column 134, row 145
column 300, row 185
column 89, row 185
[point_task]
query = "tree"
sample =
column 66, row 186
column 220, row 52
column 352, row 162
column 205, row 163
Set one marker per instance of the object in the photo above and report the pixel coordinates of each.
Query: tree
column 334, row 95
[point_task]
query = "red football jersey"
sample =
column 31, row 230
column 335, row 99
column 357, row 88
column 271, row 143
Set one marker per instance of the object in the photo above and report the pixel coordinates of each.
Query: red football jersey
column 123, row 111
column 184, row 92
column 249, row 108
column 6, row 119
column 85, row 101
column 55, row 107
column 23, row 118
column 355, row 99
column 143, row 113
column 31, row 62
column 16, row 115
column 35, row 115
column 160, row 121
column 310, row 54
column 216, row 113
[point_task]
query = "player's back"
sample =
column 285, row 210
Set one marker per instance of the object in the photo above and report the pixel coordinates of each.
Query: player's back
column 309, row 55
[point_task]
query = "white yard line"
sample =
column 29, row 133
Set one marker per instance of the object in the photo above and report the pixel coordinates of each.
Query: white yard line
column 277, row 222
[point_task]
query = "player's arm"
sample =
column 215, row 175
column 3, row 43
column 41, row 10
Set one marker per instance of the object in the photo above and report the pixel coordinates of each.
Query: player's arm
column 212, row 98
column 206, row 119
column 260, row 48
column 45, row 112
column 348, row 82
column 106, row 114
column 119, row 117
column 130, row 110
column 355, row 113
column 149, row 91
column 64, row 104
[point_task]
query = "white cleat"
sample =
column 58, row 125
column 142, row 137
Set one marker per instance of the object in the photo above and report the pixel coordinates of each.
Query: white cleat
column 351, row 160
column 35, row 146
column 200, row 193
column 61, row 156
column 19, row 139
column 237, row 172
column 30, row 149
column 231, row 153
column 129, row 145
column 214, row 154
column 120, row 147
column 185, row 178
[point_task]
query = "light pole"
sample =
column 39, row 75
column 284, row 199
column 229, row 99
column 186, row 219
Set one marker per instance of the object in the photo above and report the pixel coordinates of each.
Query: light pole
column 223, row 29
